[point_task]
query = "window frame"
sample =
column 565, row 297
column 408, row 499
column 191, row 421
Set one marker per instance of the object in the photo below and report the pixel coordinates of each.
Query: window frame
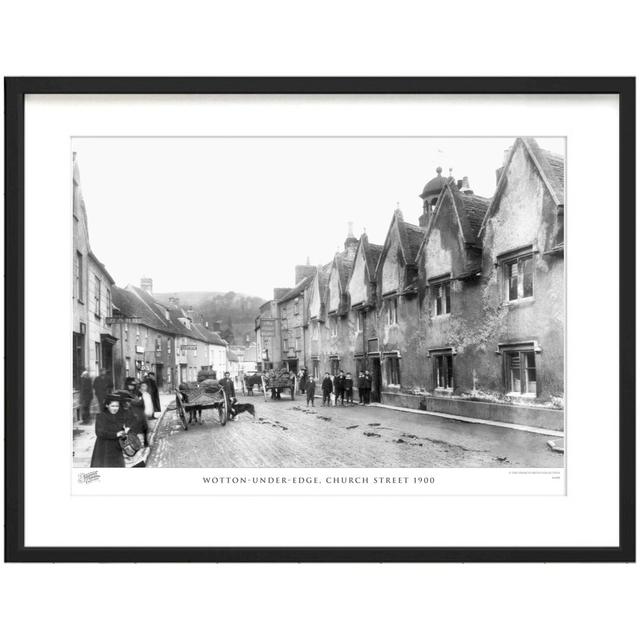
column 97, row 295
column 392, row 311
column 520, row 258
column 79, row 276
column 524, row 352
column 440, row 290
column 392, row 370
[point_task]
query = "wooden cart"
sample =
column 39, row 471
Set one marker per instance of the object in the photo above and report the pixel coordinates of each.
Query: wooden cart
column 201, row 398
column 274, row 383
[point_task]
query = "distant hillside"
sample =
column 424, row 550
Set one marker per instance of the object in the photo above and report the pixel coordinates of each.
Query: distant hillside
column 236, row 312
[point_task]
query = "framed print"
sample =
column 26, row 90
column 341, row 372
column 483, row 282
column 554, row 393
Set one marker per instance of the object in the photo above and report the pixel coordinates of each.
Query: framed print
column 320, row 319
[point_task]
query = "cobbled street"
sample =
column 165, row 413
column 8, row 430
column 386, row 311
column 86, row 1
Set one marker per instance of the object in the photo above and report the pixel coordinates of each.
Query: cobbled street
column 286, row 433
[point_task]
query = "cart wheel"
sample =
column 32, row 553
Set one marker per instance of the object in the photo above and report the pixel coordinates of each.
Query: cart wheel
column 181, row 413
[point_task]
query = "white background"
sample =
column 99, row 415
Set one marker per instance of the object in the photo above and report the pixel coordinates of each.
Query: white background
column 486, row 38
column 54, row 517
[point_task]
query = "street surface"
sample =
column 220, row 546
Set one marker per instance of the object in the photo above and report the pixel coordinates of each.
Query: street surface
column 286, row 433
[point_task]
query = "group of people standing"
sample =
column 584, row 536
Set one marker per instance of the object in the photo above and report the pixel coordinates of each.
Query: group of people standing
column 339, row 388
column 125, row 414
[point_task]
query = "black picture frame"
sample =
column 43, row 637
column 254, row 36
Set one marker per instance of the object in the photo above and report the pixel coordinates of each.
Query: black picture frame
column 15, row 91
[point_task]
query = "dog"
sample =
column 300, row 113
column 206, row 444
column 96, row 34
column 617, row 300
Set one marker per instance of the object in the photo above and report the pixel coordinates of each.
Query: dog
column 237, row 407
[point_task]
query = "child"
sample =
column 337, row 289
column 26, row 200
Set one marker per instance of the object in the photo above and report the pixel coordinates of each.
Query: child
column 311, row 390
column 148, row 401
column 348, row 388
column 327, row 388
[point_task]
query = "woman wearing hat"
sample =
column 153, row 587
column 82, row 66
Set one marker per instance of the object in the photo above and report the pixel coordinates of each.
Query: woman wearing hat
column 110, row 425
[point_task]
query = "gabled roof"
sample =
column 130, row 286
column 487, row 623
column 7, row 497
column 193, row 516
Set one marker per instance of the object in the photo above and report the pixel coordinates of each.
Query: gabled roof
column 411, row 237
column 323, row 279
column 297, row 290
column 134, row 302
column 550, row 167
column 102, row 267
column 469, row 210
column 132, row 305
column 371, row 253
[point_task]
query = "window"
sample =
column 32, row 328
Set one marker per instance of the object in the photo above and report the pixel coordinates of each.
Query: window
column 520, row 372
column 285, row 344
column 392, row 366
column 518, row 276
column 97, row 291
column 295, row 307
column 392, row 311
column 126, row 332
column 78, row 269
column 97, row 357
column 108, row 310
column 441, row 298
column 333, row 324
column 359, row 321
column 443, row 371
column 78, row 358
column 127, row 367
column 314, row 367
column 334, row 363
column 314, row 330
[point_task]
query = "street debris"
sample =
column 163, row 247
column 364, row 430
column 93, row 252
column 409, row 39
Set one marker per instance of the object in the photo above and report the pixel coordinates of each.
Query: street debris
column 501, row 458
column 353, row 426
column 371, row 434
column 373, row 424
column 324, row 418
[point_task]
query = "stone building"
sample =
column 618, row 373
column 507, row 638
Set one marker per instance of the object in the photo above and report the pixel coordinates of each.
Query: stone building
column 466, row 306
column 92, row 338
column 163, row 339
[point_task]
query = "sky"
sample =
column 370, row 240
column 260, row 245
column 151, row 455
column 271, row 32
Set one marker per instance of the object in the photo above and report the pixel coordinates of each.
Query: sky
column 237, row 214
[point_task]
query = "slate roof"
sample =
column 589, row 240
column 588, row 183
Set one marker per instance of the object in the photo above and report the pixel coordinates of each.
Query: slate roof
column 551, row 166
column 135, row 302
column 471, row 211
column 414, row 236
column 372, row 254
column 323, row 279
column 297, row 290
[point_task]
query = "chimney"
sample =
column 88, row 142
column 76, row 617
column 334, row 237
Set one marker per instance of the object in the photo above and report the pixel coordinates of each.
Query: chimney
column 189, row 311
column 174, row 302
column 351, row 243
column 206, row 324
column 146, row 284
column 278, row 292
column 302, row 271
column 463, row 185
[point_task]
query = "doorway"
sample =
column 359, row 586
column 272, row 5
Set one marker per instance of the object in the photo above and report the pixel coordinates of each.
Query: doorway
column 376, row 380
column 159, row 375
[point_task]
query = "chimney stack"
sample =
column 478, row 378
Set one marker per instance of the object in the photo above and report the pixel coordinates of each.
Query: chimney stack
column 351, row 243
column 216, row 325
column 302, row 271
column 146, row 284
column 174, row 302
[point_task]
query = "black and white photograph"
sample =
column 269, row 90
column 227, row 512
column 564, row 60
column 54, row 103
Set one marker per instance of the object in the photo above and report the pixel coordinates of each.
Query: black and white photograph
column 318, row 302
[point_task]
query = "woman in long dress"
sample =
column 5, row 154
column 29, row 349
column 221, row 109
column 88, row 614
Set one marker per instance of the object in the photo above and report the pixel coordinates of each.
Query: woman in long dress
column 110, row 425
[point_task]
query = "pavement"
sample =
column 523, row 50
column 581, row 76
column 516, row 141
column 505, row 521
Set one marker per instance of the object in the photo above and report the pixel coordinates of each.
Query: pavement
column 286, row 433
column 84, row 435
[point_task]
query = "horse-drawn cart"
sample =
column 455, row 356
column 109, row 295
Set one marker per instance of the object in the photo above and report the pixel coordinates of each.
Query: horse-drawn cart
column 192, row 399
column 276, row 382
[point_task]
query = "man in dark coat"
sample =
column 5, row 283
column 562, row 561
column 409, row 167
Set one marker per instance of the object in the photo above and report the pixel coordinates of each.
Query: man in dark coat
column 311, row 390
column 153, row 390
column 338, row 384
column 368, row 378
column 227, row 384
column 86, row 396
column 361, row 387
column 327, row 388
column 103, row 386
column 348, row 388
